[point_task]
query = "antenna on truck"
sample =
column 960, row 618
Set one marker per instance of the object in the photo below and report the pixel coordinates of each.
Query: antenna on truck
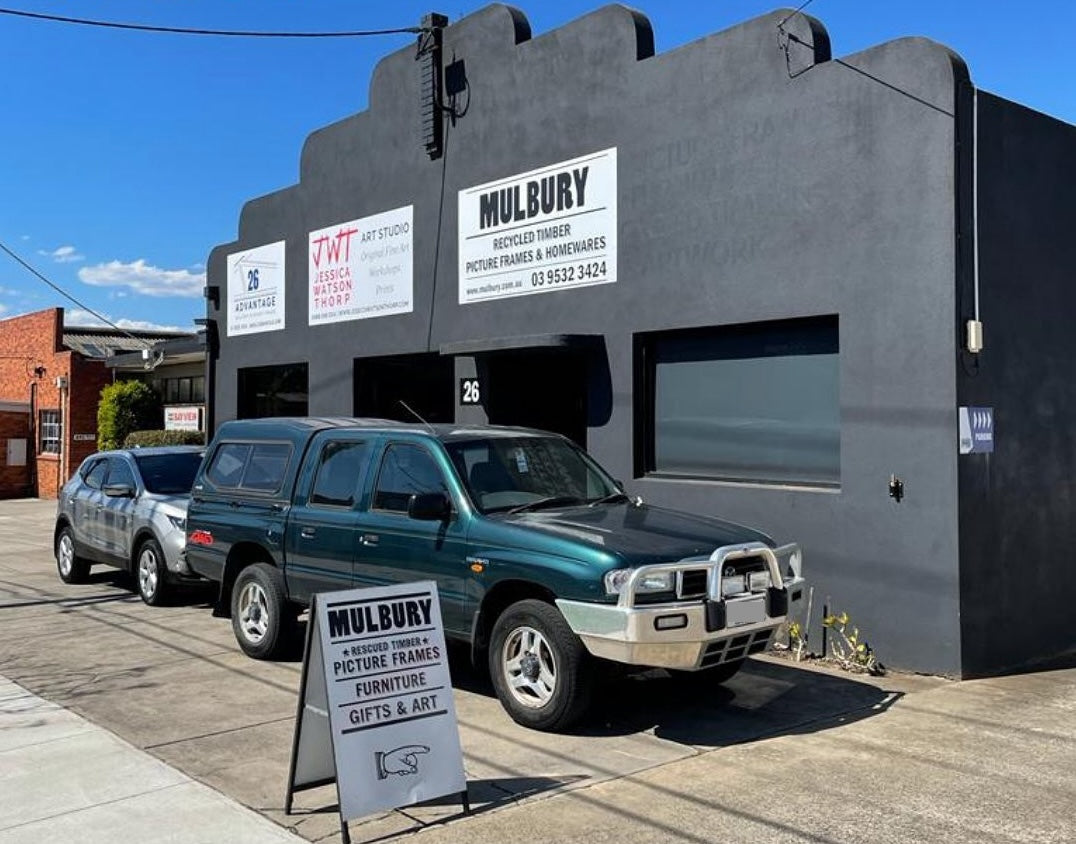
column 414, row 413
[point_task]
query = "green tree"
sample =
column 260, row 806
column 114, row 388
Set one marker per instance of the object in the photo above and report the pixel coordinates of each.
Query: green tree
column 126, row 406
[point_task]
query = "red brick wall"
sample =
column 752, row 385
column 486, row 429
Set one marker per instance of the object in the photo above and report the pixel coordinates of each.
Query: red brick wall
column 14, row 480
column 88, row 378
column 31, row 359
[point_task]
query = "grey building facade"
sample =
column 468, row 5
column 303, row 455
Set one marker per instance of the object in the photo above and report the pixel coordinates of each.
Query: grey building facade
column 739, row 272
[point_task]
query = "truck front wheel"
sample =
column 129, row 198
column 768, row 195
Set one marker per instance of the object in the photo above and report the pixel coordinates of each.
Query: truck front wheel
column 539, row 667
column 261, row 618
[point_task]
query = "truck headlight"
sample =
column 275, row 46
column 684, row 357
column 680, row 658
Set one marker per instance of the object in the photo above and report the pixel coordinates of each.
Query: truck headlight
column 178, row 522
column 658, row 582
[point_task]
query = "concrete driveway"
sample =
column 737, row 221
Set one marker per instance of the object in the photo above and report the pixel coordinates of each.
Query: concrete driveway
column 781, row 753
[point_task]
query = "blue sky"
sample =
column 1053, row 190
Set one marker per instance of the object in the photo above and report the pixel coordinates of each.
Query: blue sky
column 127, row 156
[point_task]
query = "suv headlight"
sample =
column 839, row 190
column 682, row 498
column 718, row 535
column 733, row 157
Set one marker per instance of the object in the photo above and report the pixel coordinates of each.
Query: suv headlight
column 659, row 582
column 178, row 522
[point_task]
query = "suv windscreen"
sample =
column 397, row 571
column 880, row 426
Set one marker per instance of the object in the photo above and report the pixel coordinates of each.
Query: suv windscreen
column 509, row 472
column 169, row 474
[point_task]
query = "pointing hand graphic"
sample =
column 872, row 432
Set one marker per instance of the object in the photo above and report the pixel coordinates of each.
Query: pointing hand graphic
column 402, row 761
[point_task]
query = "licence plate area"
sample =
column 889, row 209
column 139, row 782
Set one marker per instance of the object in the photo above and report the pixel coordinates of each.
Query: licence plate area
column 745, row 611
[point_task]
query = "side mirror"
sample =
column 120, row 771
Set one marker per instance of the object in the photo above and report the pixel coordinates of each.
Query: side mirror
column 118, row 490
column 430, row 507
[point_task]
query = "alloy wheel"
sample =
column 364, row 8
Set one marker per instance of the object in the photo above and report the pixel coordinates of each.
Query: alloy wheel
column 67, row 555
column 253, row 612
column 529, row 667
column 148, row 573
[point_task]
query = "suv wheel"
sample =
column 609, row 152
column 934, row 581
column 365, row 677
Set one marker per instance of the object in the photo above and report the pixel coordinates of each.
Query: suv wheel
column 151, row 571
column 539, row 667
column 70, row 567
column 260, row 615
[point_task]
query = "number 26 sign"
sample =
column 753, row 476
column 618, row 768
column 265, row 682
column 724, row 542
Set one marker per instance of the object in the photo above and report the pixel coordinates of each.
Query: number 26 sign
column 470, row 391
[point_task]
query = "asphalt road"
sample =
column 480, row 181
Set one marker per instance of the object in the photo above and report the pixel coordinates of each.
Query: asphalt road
column 781, row 753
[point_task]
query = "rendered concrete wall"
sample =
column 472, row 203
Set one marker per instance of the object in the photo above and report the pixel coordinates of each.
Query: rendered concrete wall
column 753, row 184
column 1017, row 505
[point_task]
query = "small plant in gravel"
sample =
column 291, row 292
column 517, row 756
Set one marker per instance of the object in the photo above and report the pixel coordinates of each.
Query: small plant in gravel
column 849, row 649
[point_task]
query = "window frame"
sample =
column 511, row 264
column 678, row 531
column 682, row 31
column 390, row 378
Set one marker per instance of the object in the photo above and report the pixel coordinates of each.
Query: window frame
column 644, row 392
column 117, row 461
column 385, row 451
column 346, row 442
column 41, row 426
column 252, row 444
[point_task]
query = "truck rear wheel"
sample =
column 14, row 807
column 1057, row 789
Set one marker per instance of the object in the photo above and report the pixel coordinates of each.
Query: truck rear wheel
column 539, row 667
column 261, row 619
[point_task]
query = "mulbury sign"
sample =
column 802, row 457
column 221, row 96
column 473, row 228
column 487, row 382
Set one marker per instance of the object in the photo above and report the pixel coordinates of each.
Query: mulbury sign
column 550, row 229
column 376, row 713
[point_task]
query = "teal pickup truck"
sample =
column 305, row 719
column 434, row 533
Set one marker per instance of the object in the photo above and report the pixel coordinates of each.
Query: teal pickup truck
column 542, row 562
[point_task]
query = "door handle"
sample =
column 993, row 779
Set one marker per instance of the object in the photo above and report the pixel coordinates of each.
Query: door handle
column 307, row 532
column 369, row 539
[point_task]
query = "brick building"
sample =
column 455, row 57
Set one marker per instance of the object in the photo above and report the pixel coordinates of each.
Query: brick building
column 58, row 374
column 14, row 440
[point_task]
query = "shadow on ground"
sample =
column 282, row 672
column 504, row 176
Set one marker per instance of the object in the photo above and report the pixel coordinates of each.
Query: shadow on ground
column 764, row 699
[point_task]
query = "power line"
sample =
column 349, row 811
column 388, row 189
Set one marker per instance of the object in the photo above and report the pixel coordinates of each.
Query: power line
column 71, row 298
column 794, row 12
column 236, row 33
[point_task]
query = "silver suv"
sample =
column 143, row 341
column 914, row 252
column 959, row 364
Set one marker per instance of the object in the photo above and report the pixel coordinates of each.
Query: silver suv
column 128, row 508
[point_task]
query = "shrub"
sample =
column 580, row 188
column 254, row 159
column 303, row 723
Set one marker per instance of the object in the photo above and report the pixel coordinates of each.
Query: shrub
column 850, row 649
column 126, row 406
column 144, row 439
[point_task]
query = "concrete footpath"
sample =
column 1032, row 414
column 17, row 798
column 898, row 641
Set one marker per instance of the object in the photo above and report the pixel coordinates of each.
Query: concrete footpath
column 64, row 779
column 146, row 724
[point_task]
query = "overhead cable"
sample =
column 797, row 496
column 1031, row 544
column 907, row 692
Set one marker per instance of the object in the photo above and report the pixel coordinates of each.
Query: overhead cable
column 71, row 298
column 234, row 33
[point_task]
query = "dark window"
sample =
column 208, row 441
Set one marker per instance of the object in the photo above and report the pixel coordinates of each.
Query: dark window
column 187, row 390
column 757, row 403
column 272, row 391
column 266, row 466
column 425, row 383
column 258, row 467
column 406, row 470
column 227, row 467
column 95, row 474
column 169, row 474
column 120, row 473
column 51, row 428
column 342, row 466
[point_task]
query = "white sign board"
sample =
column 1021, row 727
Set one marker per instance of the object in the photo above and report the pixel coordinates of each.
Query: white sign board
column 256, row 290
column 549, row 229
column 362, row 268
column 16, row 452
column 387, row 693
column 183, row 418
